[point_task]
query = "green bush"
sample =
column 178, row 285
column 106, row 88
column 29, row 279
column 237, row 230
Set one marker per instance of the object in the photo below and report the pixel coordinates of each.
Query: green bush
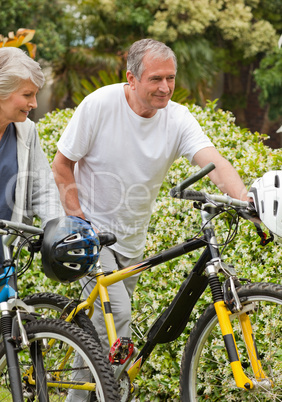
column 172, row 222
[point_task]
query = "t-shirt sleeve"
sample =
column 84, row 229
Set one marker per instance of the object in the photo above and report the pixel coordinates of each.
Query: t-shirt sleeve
column 75, row 140
column 193, row 139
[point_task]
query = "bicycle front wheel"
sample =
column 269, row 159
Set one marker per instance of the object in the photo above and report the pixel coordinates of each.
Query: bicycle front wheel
column 75, row 368
column 205, row 371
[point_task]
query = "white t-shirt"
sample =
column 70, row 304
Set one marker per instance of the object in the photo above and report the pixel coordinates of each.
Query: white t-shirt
column 123, row 159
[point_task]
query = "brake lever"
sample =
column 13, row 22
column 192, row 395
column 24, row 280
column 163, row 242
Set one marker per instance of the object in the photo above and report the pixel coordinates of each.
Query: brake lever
column 197, row 205
column 263, row 236
column 249, row 214
column 36, row 244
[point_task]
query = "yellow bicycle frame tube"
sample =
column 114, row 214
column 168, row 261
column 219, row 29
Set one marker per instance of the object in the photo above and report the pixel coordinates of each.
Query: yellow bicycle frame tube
column 100, row 289
column 103, row 281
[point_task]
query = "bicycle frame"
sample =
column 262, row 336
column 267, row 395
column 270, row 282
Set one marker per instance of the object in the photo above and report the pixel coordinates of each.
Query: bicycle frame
column 171, row 323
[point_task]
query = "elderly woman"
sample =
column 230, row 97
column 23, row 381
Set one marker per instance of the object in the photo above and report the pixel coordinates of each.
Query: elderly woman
column 27, row 187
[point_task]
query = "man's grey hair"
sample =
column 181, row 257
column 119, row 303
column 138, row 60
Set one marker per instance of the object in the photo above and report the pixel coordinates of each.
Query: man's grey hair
column 15, row 67
column 137, row 51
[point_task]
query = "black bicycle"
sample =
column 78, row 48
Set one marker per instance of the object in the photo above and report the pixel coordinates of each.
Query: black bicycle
column 234, row 352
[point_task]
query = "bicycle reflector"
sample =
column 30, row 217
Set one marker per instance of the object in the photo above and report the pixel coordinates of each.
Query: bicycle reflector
column 267, row 195
column 70, row 249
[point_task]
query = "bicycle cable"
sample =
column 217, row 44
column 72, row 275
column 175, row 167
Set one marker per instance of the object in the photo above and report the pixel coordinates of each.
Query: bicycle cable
column 16, row 257
column 231, row 232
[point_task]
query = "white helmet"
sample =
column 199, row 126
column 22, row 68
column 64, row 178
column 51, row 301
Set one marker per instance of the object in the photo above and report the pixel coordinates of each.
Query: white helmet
column 267, row 195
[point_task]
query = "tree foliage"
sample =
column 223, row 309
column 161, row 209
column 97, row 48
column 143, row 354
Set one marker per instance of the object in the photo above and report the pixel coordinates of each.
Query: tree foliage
column 208, row 37
column 46, row 17
column 269, row 78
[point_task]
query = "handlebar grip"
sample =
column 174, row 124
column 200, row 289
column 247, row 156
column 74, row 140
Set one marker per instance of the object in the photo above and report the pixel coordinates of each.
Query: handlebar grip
column 192, row 195
column 192, row 179
column 106, row 238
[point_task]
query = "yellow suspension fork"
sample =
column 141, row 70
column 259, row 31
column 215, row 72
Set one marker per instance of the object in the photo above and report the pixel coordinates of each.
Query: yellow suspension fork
column 241, row 379
column 223, row 314
column 248, row 335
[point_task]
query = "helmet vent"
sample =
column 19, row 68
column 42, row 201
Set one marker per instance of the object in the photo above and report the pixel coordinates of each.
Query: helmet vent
column 275, row 207
column 72, row 265
column 276, row 181
column 72, row 238
column 79, row 251
column 262, row 207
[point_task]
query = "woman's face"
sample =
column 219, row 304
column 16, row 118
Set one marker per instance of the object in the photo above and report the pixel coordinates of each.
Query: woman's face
column 17, row 107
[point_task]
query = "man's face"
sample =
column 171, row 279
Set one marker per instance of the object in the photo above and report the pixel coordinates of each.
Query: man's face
column 155, row 87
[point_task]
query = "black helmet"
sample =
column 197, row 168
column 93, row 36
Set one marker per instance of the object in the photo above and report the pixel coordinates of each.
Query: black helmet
column 70, row 249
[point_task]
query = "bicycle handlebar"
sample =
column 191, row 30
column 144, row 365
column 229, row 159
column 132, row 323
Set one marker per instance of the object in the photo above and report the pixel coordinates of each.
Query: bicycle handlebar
column 180, row 192
column 193, row 195
column 20, row 226
column 9, row 238
column 220, row 198
column 192, row 179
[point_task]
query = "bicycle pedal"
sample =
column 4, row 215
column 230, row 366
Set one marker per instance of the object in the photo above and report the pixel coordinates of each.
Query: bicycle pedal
column 121, row 350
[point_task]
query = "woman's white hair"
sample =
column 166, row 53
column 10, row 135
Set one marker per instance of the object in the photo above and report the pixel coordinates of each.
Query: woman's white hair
column 15, row 67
